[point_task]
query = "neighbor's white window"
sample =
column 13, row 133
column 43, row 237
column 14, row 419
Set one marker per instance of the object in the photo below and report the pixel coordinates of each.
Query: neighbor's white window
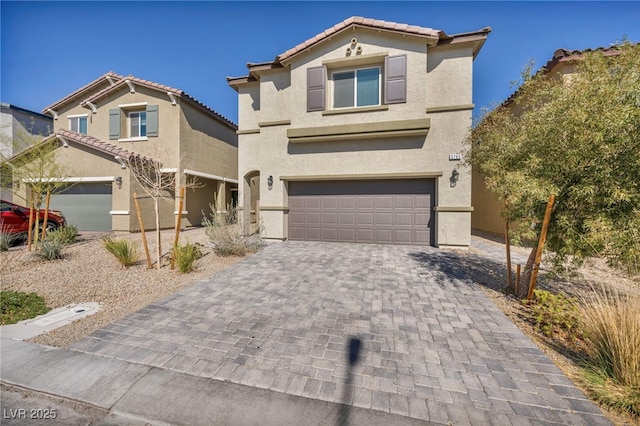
column 78, row 124
column 356, row 88
column 137, row 124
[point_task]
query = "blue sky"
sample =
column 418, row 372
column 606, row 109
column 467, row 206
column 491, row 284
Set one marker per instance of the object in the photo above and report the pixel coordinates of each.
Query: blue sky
column 50, row 49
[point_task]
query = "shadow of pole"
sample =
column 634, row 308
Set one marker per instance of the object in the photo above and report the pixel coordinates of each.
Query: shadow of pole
column 353, row 354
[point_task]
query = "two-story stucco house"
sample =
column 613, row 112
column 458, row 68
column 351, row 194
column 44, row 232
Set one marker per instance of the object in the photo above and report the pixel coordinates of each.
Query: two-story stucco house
column 102, row 124
column 355, row 135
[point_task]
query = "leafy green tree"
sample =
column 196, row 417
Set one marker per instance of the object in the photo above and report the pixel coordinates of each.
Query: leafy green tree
column 576, row 137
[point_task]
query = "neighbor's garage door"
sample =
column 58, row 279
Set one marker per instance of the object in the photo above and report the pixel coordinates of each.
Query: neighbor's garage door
column 86, row 205
column 368, row 211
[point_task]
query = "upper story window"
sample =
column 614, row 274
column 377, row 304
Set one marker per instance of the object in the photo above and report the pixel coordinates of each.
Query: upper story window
column 369, row 85
column 356, row 88
column 137, row 124
column 133, row 122
column 78, row 124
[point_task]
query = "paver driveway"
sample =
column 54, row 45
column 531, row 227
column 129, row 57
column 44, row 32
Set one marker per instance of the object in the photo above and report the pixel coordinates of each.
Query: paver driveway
column 290, row 319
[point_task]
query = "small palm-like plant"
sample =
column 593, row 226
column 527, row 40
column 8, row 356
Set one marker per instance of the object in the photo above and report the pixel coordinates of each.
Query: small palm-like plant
column 125, row 251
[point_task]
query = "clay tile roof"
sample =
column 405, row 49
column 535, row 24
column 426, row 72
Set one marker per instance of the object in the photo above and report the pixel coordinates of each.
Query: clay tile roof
column 362, row 22
column 162, row 88
column 96, row 144
column 83, row 89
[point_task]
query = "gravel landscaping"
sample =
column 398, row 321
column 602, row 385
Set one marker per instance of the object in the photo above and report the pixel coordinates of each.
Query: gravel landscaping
column 88, row 273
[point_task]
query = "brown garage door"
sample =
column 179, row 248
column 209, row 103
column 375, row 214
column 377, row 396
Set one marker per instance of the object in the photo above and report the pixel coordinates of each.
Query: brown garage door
column 367, row 211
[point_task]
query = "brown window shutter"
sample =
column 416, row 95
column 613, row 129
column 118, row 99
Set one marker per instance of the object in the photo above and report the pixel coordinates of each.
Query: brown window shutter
column 395, row 81
column 316, row 82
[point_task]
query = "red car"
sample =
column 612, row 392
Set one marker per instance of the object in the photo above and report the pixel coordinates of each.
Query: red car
column 14, row 219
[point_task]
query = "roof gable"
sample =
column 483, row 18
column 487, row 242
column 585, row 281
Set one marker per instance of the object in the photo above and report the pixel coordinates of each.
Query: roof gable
column 357, row 21
column 117, row 81
column 109, row 77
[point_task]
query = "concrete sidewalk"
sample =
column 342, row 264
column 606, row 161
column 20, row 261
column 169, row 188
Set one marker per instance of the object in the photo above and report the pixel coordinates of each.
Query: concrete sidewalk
column 90, row 389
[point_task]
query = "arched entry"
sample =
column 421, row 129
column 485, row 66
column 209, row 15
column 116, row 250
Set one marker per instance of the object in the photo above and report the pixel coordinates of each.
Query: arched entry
column 251, row 198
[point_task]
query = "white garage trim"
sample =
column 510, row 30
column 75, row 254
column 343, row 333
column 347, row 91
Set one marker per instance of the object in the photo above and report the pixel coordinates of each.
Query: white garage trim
column 74, row 179
column 209, row 176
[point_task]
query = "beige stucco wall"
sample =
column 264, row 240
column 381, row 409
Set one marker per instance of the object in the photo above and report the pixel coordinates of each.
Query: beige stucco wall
column 269, row 151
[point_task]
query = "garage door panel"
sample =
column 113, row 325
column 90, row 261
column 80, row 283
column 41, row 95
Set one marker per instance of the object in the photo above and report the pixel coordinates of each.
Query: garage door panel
column 347, row 234
column 402, row 219
column 403, row 202
column 313, row 218
column 329, row 202
column 296, row 218
column 313, row 234
column 422, row 202
column 296, row 203
column 421, row 219
column 86, row 205
column 403, row 236
column 329, row 218
column 313, row 203
column 364, row 202
column 329, row 234
column 364, row 235
column 383, row 219
column 347, row 218
column 383, row 202
column 347, row 202
column 376, row 211
column 384, row 236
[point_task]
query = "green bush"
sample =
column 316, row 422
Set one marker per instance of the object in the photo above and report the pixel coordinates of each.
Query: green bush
column 50, row 250
column 125, row 251
column 6, row 240
column 17, row 306
column 553, row 313
column 185, row 256
column 64, row 235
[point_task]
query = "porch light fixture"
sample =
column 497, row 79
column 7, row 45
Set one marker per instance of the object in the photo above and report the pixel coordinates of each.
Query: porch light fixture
column 453, row 180
column 118, row 181
column 270, row 182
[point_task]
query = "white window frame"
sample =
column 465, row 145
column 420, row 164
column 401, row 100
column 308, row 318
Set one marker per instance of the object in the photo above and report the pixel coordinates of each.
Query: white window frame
column 129, row 127
column 355, row 86
column 78, row 116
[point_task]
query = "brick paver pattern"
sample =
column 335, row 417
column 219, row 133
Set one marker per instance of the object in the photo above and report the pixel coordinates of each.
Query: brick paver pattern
column 433, row 346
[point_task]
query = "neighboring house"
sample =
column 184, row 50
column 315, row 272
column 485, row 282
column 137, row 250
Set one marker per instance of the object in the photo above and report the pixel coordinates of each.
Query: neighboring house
column 355, row 135
column 486, row 216
column 19, row 128
column 113, row 118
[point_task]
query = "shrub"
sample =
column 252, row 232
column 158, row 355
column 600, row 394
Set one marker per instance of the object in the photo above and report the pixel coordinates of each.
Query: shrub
column 6, row 240
column 64, row 235
column 50, row 250
column 17, row 306
column 230, row 237
column 185, row 256
column 553, row 313
column 125, row 251
column 612, row 330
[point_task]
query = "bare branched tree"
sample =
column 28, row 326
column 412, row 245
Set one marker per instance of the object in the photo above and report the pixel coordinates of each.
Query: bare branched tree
column 158, row 185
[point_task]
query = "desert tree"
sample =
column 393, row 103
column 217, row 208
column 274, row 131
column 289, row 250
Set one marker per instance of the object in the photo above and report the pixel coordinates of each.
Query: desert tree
column 578, row 139
column 158, row 184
